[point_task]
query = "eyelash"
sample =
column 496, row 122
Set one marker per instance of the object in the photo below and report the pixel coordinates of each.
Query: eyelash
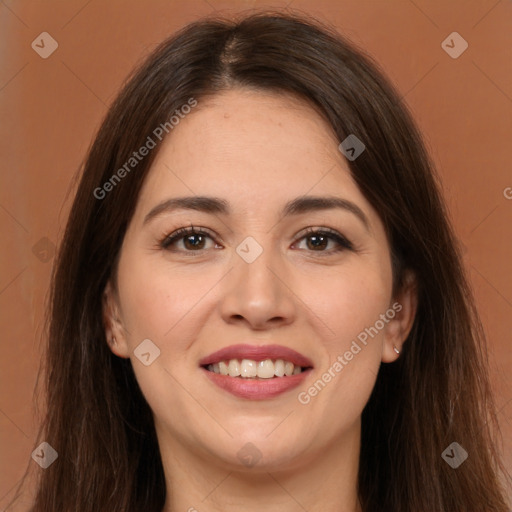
column 180, row 234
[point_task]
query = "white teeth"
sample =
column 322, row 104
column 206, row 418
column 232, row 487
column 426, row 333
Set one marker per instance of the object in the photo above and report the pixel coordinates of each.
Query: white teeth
column 279, row 368
column 234, row 368
column 249, row 369
column 266, row 369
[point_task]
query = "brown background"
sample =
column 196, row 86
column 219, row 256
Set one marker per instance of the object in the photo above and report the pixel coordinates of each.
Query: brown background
column 51, row 108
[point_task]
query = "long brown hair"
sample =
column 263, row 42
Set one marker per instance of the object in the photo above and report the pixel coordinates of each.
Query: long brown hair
column 437, row 392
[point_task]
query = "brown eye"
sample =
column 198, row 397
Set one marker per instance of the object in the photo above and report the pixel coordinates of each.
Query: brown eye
column 194, row 242
column 319, row 240
column 187, row 240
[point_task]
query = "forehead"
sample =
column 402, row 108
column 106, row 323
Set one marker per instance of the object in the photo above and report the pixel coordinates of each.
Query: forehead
column 250, row 147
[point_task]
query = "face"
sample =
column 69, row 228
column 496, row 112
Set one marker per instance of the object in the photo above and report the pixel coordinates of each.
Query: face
column 262, row 272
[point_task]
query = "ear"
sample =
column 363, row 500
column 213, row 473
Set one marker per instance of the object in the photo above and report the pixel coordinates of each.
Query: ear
column 399, row 326
column 114, row 330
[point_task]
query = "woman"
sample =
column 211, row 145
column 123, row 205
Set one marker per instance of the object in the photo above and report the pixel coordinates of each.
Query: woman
column 257, row 229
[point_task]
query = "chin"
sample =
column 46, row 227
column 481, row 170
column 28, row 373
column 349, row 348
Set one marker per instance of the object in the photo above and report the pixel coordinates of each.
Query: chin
column 259, row 451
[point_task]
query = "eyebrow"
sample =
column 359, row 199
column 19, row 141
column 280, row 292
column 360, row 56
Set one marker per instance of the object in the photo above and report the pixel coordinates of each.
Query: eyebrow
column 297, row 206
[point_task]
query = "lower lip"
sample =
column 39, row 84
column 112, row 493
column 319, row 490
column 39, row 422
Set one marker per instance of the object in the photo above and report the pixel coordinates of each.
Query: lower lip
column 257, row 389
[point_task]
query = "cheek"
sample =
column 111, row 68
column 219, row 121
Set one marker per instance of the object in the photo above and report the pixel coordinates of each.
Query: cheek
column 351, row 303
column 350, row 300
column 164, row 305
column 157, row 300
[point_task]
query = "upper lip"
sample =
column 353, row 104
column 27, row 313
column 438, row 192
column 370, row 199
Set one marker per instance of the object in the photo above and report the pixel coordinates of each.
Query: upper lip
column 256, row 353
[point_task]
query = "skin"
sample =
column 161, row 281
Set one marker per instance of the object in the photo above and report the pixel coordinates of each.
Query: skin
column 243, row 146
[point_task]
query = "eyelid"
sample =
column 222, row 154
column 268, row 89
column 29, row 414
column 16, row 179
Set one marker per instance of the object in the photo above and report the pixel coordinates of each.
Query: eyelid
column 180, row 233
column 343, row 242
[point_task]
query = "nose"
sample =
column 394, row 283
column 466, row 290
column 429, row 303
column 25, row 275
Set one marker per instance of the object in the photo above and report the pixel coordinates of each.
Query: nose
column 258, row 294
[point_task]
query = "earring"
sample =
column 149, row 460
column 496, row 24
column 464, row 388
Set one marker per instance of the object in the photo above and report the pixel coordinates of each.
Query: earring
column 396, row 350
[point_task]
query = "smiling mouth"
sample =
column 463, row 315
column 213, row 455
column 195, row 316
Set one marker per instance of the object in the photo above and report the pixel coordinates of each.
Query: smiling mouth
column 256, row 370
